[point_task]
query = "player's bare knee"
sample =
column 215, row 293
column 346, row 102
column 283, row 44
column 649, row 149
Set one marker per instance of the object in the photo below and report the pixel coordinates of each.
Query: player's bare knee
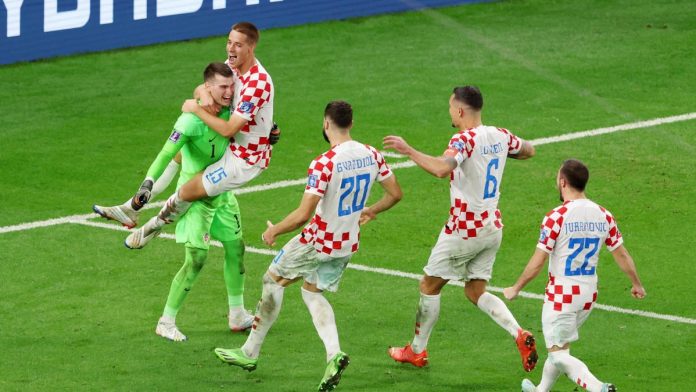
column 474, row 289
column 431, row 285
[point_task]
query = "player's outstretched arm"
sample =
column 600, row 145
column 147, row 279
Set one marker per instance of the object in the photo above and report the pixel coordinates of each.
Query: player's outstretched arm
column 526, row 151
column 294, row 220
column 625, row 262
column 392, row 195
column 225, row 128
column 534, row 266
column 438, row 166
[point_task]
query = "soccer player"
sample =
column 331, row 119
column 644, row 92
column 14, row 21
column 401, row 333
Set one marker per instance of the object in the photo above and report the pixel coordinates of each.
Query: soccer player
column 571, row 237
column 338, row 187
column 466, row 248
column 218, row 217
column 250, row 126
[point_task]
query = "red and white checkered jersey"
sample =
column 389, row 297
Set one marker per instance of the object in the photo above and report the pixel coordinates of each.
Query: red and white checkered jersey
column 481, row 153
column 343, row 177
column 253, row 95
column 572, row 234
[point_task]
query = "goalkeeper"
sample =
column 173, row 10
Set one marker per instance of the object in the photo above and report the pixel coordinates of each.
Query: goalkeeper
column 217, row 217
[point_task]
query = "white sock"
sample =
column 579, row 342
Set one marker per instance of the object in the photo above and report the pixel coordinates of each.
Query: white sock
column 168, row 319
column 266, row 314
column 165, row 179
column 549, row 376
column 496, row 309
column 576, row 370
column 428, row 313
column 324, row 321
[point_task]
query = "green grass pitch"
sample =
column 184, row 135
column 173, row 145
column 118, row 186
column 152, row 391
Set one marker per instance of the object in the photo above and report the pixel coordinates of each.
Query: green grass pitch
column 78, row 310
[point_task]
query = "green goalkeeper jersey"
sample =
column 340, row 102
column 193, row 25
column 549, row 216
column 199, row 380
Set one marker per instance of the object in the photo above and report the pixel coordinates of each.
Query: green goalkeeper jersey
column 200, row 146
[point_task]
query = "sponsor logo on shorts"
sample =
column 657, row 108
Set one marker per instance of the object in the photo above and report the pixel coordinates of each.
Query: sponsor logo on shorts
column 174, row 137
column 246, row 107
column 312, row 181
column 206, row 237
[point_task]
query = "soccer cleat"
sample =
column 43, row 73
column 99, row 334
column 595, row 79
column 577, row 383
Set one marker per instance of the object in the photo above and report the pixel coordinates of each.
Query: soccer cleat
column 236, row 357
column 608, row 388
column 241, row 321
column 125, row 215
column 406, row 355
column 140, row 237
column 169, row 331
column 334, row 369
column 528, row 386
column 527, row 346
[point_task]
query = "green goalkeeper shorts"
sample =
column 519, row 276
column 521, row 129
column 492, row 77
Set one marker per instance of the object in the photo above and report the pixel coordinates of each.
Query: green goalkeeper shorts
column 211, row 218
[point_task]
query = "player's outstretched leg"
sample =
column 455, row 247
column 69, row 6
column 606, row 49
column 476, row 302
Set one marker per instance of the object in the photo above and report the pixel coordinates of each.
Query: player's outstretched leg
column 526, row 344
column 137, row 239
column 236, row 357
column 123, row 214
column 333, row 372
column 406, row 355
column 608, row 388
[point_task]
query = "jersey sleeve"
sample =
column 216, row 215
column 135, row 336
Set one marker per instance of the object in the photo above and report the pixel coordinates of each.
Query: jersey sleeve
column 383, row 170
column 175, row 142
column 614, row 238
column 550, row 229
column 253, row 96
column 460, row 147
column 514, row 143
column 319, row 175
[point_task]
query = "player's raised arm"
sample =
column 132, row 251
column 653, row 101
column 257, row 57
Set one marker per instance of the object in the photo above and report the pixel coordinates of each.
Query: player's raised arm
column 392, row 195
column 294, row 220
column 438, row 166
column 625, row 262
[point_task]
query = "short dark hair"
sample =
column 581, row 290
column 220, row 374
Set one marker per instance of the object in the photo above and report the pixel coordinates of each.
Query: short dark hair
column 340, row 112
column 248, row 29
column 469, row 95
column 213, row 69
column 576, row 173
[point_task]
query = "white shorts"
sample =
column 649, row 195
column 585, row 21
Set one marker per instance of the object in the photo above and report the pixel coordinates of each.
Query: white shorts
column 455, row 258
column 228, row 173
column 302, row 260
column 561, row 327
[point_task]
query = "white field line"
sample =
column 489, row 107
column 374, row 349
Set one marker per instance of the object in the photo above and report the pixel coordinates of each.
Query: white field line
column 83, row 219
column 397, row 165
column 408, row 275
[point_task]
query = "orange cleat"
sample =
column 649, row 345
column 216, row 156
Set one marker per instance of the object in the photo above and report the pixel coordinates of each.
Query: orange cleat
column 527, row 346
column 406, row 355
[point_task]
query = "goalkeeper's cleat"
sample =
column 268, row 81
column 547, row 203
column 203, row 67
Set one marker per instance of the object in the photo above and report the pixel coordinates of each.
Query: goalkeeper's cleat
column 240, row 321
column 140, row 237
column 236, row 357
column 334, row 369
column 406, row 355
column 608, row 388
column 121, row 213
column 528, row 386
column 527, row 346
column 168, row 330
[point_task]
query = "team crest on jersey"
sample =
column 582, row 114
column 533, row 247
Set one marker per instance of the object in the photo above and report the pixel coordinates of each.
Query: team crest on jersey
column 174, row 137
column 246, row 107
column 312, row 181
column 543, row 235
column 459, row 146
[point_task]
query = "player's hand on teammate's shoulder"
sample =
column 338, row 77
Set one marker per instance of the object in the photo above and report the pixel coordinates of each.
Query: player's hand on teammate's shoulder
column 638, row 292
column 267, row 236
column 189, row 106
column 396, row 143
column 510, row 293
column 367, row 215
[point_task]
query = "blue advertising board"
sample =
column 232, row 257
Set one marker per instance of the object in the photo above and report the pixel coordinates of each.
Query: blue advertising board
column 37, row 29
